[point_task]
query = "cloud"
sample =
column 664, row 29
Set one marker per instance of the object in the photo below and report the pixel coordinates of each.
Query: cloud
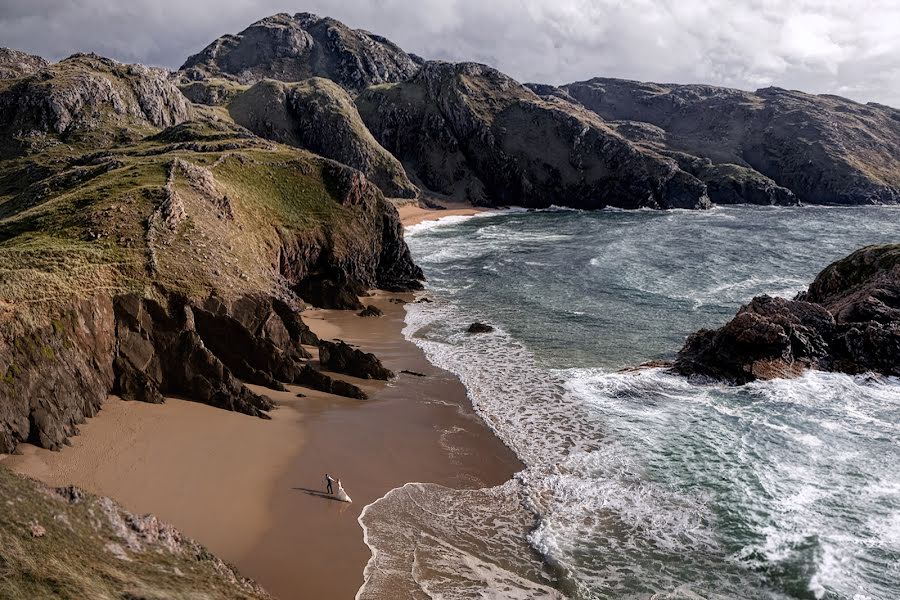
column 849, row 48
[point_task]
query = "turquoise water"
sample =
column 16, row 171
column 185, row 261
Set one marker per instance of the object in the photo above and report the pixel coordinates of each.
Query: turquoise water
column 642, row 484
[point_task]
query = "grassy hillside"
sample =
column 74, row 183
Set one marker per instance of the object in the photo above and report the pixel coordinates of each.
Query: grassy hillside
column 66, row 544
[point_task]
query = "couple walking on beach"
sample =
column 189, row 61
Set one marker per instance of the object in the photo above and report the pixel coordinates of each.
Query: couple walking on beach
column 329, row 489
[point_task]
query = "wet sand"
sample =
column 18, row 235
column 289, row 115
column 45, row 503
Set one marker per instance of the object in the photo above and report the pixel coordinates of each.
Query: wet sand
column 412, row 214
column 250, row 490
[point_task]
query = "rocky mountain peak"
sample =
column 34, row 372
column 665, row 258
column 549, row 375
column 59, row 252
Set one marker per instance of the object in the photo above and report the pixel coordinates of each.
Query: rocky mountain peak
column 292, row 48
column 15, row 63
column 87, row 98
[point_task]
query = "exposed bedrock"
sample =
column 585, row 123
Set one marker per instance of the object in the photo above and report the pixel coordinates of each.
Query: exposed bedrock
column 332, row 269
column 848, row 321
column 823, row 148
column 57, row 374
column 341, row 357
column 470, row 132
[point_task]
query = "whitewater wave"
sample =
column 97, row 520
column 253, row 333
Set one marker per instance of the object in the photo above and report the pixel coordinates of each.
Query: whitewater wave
column 642, row 484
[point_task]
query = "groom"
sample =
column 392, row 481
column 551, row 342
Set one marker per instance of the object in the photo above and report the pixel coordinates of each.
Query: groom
column 328, row 482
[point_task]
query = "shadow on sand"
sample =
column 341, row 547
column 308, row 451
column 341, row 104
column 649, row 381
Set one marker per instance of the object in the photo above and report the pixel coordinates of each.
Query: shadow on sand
column 316, row 493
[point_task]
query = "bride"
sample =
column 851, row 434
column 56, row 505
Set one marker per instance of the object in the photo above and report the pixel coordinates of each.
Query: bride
column 341, row 494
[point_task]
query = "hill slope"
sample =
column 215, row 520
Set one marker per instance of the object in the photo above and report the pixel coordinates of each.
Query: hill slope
column 824, row 149
column 316, row 114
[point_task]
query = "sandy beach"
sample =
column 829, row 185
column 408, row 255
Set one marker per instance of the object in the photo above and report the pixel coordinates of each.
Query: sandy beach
column 250, row 489
column 413, row 214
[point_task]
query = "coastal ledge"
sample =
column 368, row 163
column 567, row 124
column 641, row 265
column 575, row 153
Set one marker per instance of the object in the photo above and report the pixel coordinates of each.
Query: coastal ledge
column 847, row 321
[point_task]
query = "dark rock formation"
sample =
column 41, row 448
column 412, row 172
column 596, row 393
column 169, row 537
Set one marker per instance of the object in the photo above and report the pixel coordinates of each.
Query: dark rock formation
column 161, row 352
column 480, row 328
column 343, row 358
column 825, row 149
column 848, row 321
column 292, row 48
column 371, row 311
column 14, row 63
column 318, row 115
column 470, row 132
column 316, row 380
column 56, row 374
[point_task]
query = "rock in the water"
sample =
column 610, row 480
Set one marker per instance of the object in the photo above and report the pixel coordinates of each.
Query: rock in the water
column 848, row 321
column 480, row 328
column 371, row 311
column 343, row 358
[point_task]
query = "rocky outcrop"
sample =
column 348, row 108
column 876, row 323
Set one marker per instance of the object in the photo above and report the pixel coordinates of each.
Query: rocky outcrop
column 14, row 63
column 824, row 149
column 91, row 547
column 848, row 321
column 480, row 328
column 318, row 115
column 341, row 357
column 293, row 48
column 371, row 311
column 55, row 374
column 88, row 99
column 470, row 132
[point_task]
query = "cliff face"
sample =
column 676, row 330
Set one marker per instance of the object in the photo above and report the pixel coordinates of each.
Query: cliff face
column 848, row 321
column 466, row 130
column 293, row 48
column 822, row 149
column 166, row 261
column 318, row 115
column 68, row 543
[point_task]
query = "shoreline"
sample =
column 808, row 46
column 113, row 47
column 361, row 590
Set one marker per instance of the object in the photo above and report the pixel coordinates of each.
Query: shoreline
column 248, row 489
column 413, row 214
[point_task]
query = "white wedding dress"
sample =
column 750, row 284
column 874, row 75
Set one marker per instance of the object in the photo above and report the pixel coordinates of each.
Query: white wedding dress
column 341, row 494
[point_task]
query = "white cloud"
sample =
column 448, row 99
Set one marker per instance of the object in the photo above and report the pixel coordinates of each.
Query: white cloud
column 851, row 48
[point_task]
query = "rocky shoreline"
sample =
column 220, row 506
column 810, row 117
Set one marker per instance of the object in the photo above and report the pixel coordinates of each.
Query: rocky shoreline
column 847, row 321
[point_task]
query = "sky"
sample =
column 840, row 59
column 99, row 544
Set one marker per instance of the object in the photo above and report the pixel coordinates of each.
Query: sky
column 848, row 47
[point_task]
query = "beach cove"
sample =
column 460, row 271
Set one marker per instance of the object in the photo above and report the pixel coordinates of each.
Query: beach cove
column 250, row 489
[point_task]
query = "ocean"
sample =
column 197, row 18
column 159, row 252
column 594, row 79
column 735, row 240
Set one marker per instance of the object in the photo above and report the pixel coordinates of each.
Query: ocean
column 639, row 483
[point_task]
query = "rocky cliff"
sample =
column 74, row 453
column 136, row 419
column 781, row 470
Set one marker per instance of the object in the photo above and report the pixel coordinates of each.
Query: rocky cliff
column 65, row 543
column 293, row 48
column 820, row 149
column 848, row 321
column 146, row 254
column 320, row 116
column 470, row 132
